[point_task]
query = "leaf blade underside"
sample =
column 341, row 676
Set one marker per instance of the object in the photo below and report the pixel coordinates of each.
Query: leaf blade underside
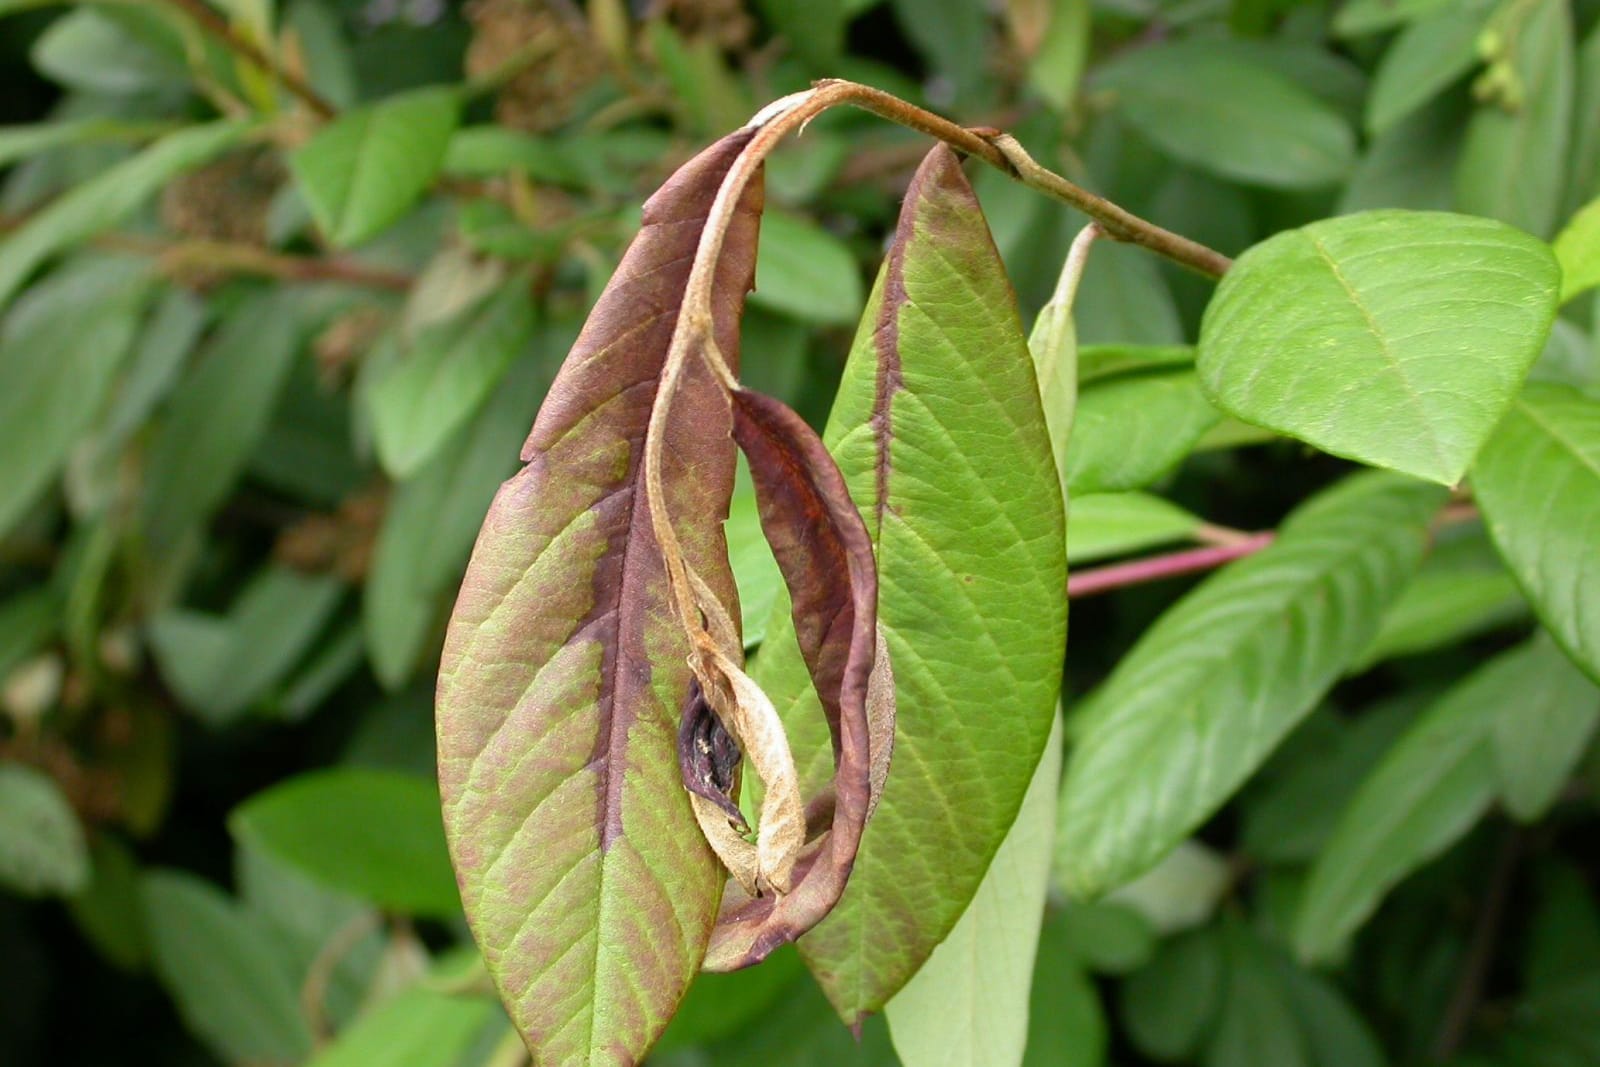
column 585, row 877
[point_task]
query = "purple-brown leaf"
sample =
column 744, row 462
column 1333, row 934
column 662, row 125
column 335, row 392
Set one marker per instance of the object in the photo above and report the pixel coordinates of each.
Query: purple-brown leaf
column 822, row 548
column 586, row 880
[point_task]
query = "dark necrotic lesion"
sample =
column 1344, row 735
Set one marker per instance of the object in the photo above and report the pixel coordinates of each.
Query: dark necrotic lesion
column 709, row 756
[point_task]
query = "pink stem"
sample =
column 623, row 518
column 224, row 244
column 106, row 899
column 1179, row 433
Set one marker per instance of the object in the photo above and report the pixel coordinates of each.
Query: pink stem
column 1118, row 575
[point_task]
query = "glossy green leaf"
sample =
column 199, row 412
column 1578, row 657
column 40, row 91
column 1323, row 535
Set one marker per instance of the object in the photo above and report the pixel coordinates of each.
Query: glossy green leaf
column 1222, row 677
column 230, row 979
column 414, row 1028
column 1429, row 789
column 1102, row 525
column 805, row 271
column 217, row 415
column 1539, row 739
column 431, row 522
column 1538, row 482
column 1513, row 163
column 1577, row 249
column 364, row 170
column 938, row 409
column 1170, row 1005
column 1432, row 53
column 106, row 199
column 1251, row 123
column 42, row 847
column 1407, row 335
column 321, row 823
column 1133, row 427
column 60, row 349
column 219, row 666
column 447, row 375
column 968, row 1004
column 1462, row 589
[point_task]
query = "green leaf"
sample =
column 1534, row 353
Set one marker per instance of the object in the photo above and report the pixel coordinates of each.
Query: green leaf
column 364, row 170
column 217, row 416
column 221, row 666
column 805, row 271
column 1407, row 337
column 952, row 34
column 89, row 51
column 321, row 823
column 415, row 1028
column 1223, row 676
column 446, row 377
column 969, row 1002
column 1251, row 123
column 1057, row 66
column 1109, row 937
column 1427, row 792
column 721, row 1005
column 1538, row 482
column 959, row 425
column 21, row 142
column 42, row 848
column 1133, row 427
column 1427, row 58
column 27, row 621
column 1180, row 892
column 1513, row 163
column 1066, row 1023
column 108, row 911
column 1359, row 17
column 1170, row 1005
column 431, row 522
column 1256, row 1026
column 755, row 570
column 60, row 350
column 229, row 977
column 1102, row 525
column 1462, row 589
column 1335, row 1034
column 1539, row 739
column 106, row 199
column 1577, row 249
column 1412, row 163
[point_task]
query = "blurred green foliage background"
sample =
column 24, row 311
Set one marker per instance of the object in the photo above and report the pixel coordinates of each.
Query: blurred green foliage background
column 261, row 373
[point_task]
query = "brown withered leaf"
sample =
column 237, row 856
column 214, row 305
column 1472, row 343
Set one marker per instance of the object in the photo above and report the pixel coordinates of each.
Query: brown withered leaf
column 822, row 548
column 586, row 879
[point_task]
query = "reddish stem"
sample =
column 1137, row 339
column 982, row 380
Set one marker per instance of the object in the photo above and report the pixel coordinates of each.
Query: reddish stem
column 1190, row 561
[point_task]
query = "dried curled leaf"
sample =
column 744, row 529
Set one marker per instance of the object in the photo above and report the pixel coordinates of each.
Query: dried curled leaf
column 585, row 878
column 822, row 548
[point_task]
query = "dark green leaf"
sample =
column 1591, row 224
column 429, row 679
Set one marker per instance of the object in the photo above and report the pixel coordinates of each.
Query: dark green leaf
column 1256, row 1026
column 1431, row 54
column 1066, row 1023
column 322, row 823
column 1539, row 739
column 1251, row 123
column 42, row 847
column 1170, row 1005
column 1407, row 337
column 1222, row 677
column 230, row 979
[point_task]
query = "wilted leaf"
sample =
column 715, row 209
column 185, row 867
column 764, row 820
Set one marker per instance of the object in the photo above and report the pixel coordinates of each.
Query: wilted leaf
column 1538, row 482
column 586, row 880
column 939, row 408
column 321, row 823
column 365, row 169
column 1406, row 338
column 1223, row 676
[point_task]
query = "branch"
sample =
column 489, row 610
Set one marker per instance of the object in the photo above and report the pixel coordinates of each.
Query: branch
column 1098, row 580
column 246, row 49
column 233, row 258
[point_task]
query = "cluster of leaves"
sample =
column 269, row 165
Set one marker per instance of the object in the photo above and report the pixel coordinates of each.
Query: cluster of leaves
column 283, row 286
